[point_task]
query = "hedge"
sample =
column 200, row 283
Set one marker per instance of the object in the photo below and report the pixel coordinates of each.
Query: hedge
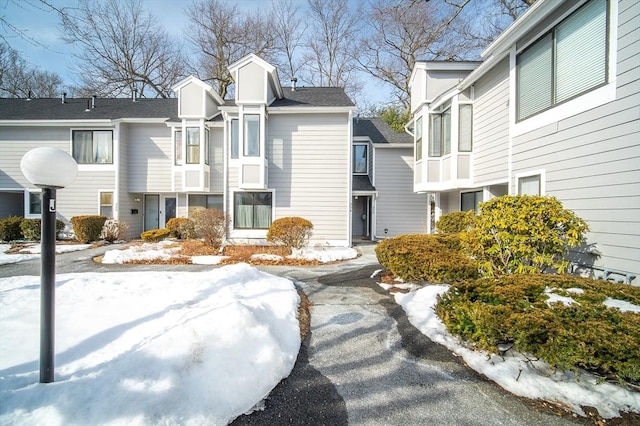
column 88, row 228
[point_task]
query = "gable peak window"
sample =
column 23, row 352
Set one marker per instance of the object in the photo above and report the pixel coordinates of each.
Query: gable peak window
column 566, row 62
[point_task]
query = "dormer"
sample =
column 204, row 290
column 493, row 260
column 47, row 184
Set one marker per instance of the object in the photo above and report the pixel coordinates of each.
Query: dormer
column 256, row 80
column 430, row 79
column 196, row 99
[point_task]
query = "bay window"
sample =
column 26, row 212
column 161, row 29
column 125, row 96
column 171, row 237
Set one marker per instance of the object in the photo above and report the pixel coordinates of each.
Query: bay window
column 418, row 153
column 92, row 146
column 566, row 62
column 252, row 210
column 440, row 134
column 465, row 128
column 235, row 138
column 177, row 137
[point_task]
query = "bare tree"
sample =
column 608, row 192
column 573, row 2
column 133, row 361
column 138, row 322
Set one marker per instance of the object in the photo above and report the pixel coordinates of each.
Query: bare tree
column 19, row 80
column 332, row 45
column 122, row 48
column 223, row 35
column 288, row 30
column 401, row 33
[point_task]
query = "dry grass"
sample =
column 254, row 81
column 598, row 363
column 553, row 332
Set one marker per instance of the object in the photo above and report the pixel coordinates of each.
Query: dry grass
column 197, row 248
column 304, row 314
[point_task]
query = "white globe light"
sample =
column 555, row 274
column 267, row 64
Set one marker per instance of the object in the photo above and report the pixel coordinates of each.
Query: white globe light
column 49, row 167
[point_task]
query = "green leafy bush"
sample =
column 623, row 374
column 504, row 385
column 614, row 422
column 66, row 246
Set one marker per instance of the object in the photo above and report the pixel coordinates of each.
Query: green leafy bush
column 523, row 234
column 114, row 230
column 88, row 228
column 292, row 232
column 211, row 225
column 155, row 235
column 515, row 308
column 182, row 227
column 454, row 222
column 32, row 228
column 432, row 258
column 10, row 228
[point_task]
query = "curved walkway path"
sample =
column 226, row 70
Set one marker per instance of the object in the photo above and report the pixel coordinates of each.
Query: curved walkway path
column 363, row 363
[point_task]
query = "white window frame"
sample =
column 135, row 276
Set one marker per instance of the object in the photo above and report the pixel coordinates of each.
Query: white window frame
column 581, row 103
column 94, row 166
column 178, row 146
column 253, row 230
column 199, row 145
column 366, row 146
column 245, row 134
column 27, row 203
column 419, row 139
column 234, row 145
column 112, row 205
column 528, row 174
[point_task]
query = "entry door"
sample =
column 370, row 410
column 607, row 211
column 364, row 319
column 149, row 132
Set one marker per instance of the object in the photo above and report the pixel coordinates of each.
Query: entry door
column 151, row 211
column 169, row 211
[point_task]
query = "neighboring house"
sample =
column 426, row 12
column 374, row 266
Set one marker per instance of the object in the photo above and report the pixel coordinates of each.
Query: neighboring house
column 384, row 204
column 270, row 152
column 554, row 109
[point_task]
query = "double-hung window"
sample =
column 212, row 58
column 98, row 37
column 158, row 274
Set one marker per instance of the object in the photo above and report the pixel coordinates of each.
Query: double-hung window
column 568, row 61
column 252, row 210
column 360, row 159
column 251, row 135
column 440, row 134
column 106, row 204
column 35, row 203
column 92, row 146
column 529, row 185
column 193, row 145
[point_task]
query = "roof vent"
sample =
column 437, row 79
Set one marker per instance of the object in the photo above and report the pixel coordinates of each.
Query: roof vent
column 93, row 101
column 88, row 106
column 293, row 84
column 29, row 95
column 135, row 95
column 64, row 97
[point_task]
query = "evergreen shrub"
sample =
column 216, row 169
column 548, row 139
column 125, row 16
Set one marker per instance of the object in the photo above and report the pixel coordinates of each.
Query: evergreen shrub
column 10, row 228
column 432, row 258
column 585, row 335
column 182, row 227
column 88, row 228
column 155, row 235
column 32, row 228
column 455, row 222
column 292, row 232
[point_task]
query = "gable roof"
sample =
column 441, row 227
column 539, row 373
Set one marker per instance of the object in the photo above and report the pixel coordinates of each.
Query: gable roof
column 76, row 109
column 379, row 131
column 206, row 87
column 313, row 97
column 272, row 71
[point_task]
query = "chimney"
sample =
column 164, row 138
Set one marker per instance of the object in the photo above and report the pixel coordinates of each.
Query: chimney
column 135, row 95
column 64, row 97
column 293, row 84
column 93, row 101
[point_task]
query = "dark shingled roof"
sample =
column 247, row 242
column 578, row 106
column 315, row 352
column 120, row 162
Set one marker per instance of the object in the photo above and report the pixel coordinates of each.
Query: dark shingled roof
column 361, row 183
column 313, row 97
column 75, row 109
column 378, row 131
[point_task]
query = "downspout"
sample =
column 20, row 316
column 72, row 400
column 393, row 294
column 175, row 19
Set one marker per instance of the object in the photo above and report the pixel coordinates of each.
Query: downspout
column 512, row 117
column 225, row 168
column 349, row 180
column 116, row 159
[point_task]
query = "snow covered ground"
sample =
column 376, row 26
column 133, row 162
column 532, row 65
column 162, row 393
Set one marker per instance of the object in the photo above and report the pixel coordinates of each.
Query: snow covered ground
column 33, row 252
column 516, row 373
column 140, row 348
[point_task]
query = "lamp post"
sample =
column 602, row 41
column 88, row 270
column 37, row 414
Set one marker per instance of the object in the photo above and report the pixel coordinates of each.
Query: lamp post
column 50, row 169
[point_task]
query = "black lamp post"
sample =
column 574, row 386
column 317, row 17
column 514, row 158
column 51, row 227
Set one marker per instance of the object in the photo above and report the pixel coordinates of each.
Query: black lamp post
column 50, row 169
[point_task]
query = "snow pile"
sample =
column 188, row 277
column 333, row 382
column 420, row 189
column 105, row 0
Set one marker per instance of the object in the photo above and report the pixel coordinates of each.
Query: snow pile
column 514, row 372
column 324, row 254
column 60, row 248
column 145, row 251
column 148, row 348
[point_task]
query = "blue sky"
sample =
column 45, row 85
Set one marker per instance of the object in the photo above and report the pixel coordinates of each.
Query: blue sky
column 52, row 54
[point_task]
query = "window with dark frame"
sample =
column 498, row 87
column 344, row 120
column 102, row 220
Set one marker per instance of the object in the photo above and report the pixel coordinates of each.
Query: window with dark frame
column 470, row 201
column 360, row 159
column 252, row 210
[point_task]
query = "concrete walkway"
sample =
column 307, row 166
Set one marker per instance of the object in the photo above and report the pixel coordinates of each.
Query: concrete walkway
column 365, row 364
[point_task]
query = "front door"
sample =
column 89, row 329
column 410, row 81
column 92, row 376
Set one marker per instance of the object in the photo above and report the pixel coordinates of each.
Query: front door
column 169, row 211
column 151, row 211
column 360, row 217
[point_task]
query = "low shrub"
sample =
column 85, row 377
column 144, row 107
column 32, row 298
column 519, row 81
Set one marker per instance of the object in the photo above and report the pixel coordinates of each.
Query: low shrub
column 292, row 232
column 431, row 258
column 88, row 228
column 114, row 230
column 181, row 227
column 155, row 235
column 454, row 222
column 32, row 228
column 586, row 334
column 10, row 228
column 211, row 225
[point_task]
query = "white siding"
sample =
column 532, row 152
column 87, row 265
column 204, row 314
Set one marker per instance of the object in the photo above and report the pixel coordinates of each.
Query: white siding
column 252, row 80
column 592, row 160
column 310, row 171
column 398, row 208
column 150, row 159
column 491, row 125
